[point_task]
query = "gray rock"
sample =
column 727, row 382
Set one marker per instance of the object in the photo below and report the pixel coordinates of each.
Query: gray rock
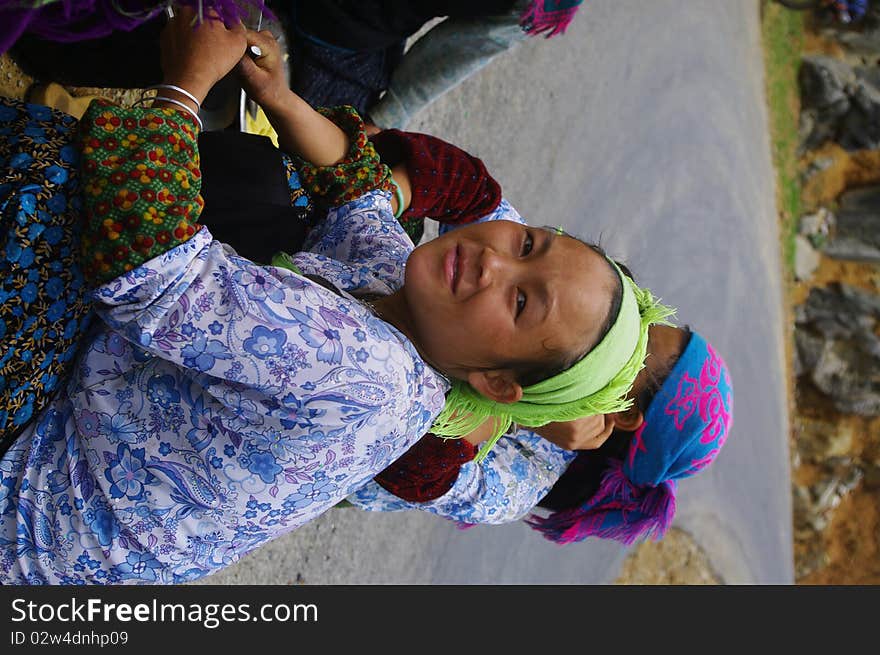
column 827, row 494
column 808, row 348
column 849, row 249
column 865, row 43
column 856, row 233
column 818, row 224
column 850, row 481
column 812, row 134
column 860, row 128
column 849, row 373
column 824, row 83
column 866, row 199
column 806, row 258
column 871, row 75
column 861, row 300
column 839, row 310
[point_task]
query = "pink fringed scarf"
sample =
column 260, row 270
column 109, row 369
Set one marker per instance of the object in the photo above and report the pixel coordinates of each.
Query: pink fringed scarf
column 550, row 16
column 618, row 510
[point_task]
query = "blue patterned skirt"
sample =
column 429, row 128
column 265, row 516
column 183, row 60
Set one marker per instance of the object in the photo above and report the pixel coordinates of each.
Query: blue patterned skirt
column 43, row 309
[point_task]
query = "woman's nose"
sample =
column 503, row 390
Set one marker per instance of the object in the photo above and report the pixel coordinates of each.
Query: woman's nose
column 493, row 267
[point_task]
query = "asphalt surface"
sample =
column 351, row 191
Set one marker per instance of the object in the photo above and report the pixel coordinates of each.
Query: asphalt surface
column 644, row 127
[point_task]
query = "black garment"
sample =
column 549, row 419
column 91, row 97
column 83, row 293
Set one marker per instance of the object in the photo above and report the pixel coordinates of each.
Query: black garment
column 247, row 201
column 584, row 475
column 369, row 25
column 345, row 51
column 327, row 77
column 121, row 60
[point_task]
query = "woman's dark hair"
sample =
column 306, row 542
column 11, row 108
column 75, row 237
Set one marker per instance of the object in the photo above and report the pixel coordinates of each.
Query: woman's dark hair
column 584, row 475
column 529, row 373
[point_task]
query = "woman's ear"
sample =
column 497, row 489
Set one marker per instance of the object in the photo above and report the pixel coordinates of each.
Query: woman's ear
column 629, row 420
column 499, row 385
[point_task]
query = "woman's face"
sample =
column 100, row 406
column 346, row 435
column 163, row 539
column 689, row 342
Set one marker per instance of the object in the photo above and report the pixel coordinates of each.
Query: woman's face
column 485, row 295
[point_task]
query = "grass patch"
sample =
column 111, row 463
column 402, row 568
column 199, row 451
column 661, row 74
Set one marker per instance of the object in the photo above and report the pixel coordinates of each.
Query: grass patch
column 783, row 37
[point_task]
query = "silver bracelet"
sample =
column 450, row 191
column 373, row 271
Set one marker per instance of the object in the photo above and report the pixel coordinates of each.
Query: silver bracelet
column 179, row 90
column 183, row 106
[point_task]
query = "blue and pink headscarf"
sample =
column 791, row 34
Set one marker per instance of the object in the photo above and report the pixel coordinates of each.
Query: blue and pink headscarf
column 685, row 427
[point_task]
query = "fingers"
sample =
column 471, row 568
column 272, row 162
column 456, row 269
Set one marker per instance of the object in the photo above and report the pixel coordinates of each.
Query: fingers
column 264, row 39
column 587, row 433
column 262, row 52
column 602, row 437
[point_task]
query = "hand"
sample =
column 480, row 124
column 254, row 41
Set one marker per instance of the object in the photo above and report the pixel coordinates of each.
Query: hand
column 197, row 56
column 264, row 78
column 586, row 433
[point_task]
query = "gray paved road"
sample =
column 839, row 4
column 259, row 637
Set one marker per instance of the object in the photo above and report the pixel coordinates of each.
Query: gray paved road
column 644, row 126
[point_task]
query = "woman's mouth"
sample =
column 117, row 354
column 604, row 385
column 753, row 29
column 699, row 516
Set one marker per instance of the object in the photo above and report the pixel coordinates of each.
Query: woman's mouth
column 450, row 265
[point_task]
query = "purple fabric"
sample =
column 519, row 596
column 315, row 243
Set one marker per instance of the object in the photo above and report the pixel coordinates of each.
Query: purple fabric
column 77, row 20
column 685, row 427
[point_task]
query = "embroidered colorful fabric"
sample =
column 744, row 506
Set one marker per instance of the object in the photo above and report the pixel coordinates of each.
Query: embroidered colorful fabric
column 359, row 172
column 43, row 309
column 142, row 195
column 448, row 184
column 298, row 196
column 685, row 427
column 428, row 469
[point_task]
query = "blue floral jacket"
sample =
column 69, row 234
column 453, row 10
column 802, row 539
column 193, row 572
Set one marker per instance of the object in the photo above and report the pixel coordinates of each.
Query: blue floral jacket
column 217, row 405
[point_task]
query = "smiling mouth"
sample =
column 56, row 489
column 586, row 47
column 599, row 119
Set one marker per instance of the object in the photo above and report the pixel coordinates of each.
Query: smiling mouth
column 452, row 266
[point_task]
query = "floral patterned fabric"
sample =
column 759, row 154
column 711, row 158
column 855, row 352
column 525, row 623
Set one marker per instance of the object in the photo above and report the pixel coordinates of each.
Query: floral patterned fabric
column 215, row 406
column 42, row 297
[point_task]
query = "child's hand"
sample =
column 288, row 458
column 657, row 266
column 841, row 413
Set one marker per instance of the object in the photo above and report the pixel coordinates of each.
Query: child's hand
column 263, row 77
column 198, row 56
column 586, row 433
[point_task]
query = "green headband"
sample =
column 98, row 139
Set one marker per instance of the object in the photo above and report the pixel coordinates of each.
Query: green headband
column 599, row 366
column 595, row 384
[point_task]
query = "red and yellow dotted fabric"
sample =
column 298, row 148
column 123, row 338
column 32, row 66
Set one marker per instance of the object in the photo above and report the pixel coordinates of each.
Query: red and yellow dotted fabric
column 359, row 172
column 141, row 181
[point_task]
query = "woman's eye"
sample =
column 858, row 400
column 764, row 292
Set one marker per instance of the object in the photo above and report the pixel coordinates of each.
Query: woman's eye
column 528, row 243
column 520, row 302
